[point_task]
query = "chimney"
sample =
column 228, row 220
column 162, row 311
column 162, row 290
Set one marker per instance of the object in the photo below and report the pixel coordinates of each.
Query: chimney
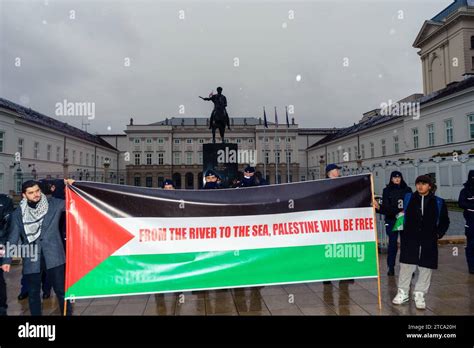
column 131, row 122
column 292, row 120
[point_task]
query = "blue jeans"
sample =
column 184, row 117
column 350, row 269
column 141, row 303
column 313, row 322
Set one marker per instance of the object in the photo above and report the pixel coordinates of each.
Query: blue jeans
column 392, row 244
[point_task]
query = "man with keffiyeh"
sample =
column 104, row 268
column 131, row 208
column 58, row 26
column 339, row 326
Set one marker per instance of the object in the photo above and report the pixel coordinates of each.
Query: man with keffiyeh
column 36, row 222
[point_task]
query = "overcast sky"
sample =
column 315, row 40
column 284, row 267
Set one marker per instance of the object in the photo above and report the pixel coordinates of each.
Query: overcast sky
column 81, row 56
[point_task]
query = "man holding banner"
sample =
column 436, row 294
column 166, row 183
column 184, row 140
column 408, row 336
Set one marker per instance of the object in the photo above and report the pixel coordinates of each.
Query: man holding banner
column 36, row 224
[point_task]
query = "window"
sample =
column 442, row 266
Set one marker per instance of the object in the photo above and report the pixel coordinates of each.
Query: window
column 148, row 160
column 80, row 158
column 199, row 157
column 472, row 42
column 87, row 159
column 362, row 151
column 201, row 141
column 2, row 136
column 177, row 141
column 20, row 146
column 238, row 141
column 355, row 153
column 277, row 139
column 189, row 141
column 66, row 154
column 414, row 132
column 288, row 157
column 431, row 134
column 384, row 148
column 250, row 140
column 349, row 154
column 448, row 124
column 267, row 157
column 149, row 140
column 160, row 158
column 277, row 157
column 189, row 158
column 136, row 141
column 372, row 150
column 137, row 161
column 73, row 156
column 471, row 126
column 177, row 158
column 58, row 153
column 396, row 147
column 137, row 181
column 288, row 139
column 36, row 150
column 149, row 181
column 161, row 140
column 266, row 139
column 338, row 156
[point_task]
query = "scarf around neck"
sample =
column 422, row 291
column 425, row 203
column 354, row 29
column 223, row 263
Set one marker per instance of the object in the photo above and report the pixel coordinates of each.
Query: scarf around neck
column 33, row 217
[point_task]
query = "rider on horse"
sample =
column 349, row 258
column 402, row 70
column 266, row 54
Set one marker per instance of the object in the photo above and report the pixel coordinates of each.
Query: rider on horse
column 219, row 117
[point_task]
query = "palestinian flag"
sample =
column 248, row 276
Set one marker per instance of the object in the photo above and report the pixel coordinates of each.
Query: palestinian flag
column 398, row 226
column 125, row 240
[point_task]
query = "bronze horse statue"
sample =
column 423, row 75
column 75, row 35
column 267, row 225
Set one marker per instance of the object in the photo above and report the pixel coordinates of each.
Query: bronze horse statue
column 219, row 117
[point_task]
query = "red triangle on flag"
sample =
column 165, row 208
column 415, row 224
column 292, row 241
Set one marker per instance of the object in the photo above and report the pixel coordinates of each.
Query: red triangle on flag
column 91, row 237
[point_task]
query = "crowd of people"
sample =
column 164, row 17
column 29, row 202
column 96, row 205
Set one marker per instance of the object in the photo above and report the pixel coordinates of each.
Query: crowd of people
column 419, row 218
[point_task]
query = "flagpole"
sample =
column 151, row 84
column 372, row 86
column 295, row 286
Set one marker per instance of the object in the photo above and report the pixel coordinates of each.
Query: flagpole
column 286, row 147
column 264, row 146
column 274, row 147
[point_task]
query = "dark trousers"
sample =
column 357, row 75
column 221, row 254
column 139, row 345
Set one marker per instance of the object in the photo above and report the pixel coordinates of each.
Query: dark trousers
column 56, row 277
column 3, row 294
column 45, row 284
column 470, row 248
column 392, row 244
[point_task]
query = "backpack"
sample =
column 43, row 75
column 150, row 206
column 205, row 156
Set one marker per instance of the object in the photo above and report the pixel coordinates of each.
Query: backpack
column 439, row 204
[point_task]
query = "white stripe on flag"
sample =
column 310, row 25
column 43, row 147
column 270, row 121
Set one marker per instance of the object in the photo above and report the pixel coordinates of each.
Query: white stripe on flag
column 134, row 247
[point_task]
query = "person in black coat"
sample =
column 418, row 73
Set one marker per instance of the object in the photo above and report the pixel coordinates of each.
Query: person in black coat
column 249, row 179
column 426, row 220
column 392, row 204
column 466, row 202
column 6, row 208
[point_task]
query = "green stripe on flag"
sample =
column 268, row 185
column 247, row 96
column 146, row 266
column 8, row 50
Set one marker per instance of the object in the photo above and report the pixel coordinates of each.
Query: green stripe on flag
column 133, row 274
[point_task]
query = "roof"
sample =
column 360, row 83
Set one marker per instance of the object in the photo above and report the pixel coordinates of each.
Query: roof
column 318, row 130
column 378, row 120
column 440, row 17
column 201, row 121
column 358, row 127
column 452, row 88
column 33, row 116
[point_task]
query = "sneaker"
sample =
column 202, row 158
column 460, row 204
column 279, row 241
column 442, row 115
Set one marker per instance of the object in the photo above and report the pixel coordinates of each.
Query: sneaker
column 419, row 300
column 402, row 297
